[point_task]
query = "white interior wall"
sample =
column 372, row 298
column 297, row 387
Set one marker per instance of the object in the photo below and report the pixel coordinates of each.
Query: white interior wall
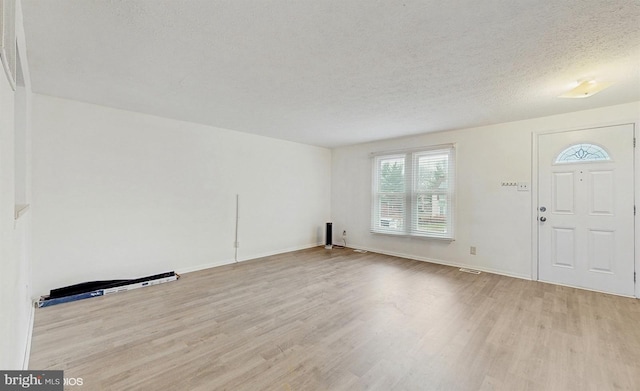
column 497, row 220
column 15, row 280
column 119, row 194
column 11, row 268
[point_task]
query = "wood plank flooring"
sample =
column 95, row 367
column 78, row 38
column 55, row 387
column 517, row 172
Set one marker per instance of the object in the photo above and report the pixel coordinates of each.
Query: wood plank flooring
column 338, row 320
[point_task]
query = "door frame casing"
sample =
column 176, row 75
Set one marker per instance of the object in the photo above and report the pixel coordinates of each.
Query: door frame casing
column 535, row 238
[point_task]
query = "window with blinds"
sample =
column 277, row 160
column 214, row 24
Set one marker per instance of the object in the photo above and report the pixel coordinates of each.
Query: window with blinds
column 413, row 193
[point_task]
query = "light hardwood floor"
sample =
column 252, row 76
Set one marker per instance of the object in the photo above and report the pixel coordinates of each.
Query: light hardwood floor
column 338, row 320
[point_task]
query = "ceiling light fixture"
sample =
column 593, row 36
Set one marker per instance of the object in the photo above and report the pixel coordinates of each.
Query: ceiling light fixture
column 586, row 89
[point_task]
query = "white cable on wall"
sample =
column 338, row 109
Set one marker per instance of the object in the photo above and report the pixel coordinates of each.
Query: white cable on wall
column 236, row 244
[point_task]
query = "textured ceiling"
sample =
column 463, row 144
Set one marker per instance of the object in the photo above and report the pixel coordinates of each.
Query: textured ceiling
column 335, row 72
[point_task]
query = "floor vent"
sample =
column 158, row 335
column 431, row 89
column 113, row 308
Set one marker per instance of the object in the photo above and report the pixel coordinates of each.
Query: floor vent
column 464, row 269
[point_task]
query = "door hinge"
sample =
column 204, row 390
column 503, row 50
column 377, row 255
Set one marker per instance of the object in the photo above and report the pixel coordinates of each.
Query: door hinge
column 634, row 276
column 634, row 142
column 634, row 210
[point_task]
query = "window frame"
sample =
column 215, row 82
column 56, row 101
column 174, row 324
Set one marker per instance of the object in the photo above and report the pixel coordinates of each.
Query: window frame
column 409, row 227
column 605, row 155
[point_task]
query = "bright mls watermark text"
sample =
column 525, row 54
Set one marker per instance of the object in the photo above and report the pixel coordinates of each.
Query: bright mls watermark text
column 37, row 380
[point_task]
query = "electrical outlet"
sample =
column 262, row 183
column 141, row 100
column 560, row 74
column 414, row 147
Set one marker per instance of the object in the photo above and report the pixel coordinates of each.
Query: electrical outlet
column 236, row 244
column 523, row 186
column 472, row 250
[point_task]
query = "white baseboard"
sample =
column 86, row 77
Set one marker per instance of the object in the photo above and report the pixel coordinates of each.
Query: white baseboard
column 204, row 266
column 281, row 251
column 441, row 262
column 243, row 259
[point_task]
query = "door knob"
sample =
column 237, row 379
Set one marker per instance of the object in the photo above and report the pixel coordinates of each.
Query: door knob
column 543, row 209
column 543, row 219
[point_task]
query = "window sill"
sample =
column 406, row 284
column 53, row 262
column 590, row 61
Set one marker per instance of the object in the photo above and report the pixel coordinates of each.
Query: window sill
column 402, row 235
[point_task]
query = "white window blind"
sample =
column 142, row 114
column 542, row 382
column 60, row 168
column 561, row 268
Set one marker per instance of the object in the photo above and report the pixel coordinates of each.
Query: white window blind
column 390, row 196
column 413, row 193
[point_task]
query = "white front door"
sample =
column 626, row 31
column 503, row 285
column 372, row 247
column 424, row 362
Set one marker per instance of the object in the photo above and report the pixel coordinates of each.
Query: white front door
column 586, row 209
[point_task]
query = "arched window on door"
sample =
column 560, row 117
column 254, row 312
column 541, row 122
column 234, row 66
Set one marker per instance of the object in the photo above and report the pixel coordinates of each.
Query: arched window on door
column 582, row 152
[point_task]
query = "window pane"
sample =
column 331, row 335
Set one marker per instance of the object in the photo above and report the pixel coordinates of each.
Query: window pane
column 431, row 213
column 582, row 153
column 432, row 172
column 391, row 179
column 391, row 211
